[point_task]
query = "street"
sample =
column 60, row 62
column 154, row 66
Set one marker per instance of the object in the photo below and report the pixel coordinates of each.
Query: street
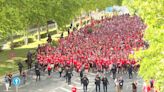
column 56, row 84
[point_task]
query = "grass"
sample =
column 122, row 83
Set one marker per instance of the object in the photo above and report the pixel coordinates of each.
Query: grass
column 4, row 70
column 9, row 59
column 8, row 64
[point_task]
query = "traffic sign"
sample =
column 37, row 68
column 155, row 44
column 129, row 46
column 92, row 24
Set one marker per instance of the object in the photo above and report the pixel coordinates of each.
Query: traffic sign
column 16, row 81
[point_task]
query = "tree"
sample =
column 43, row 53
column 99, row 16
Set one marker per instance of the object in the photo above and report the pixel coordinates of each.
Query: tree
column 152, row 59
column 10, row 21
column 20, row 15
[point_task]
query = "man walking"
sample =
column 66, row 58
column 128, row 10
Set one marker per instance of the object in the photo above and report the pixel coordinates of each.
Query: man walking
column 37, row 71
column 81, row 75
column 20, row 67
column 130, row 70
column 66, row 74
column 69, row 76
column 85, row 82
column 29, row 60
column 114, row 69
column 105, row 83
column 97, row 82
column 24, row 77
column 60, row 71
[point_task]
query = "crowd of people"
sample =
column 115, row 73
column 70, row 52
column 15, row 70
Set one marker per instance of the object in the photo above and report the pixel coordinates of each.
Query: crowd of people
column 110, row 42
column 103, row 46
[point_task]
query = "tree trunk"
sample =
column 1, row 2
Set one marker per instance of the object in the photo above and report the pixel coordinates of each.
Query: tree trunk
column 38, row 32
column 26, row 38
column 11, row 39
column 47, row 28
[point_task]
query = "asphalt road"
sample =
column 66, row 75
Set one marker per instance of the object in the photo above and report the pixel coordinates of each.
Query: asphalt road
column 56, row 84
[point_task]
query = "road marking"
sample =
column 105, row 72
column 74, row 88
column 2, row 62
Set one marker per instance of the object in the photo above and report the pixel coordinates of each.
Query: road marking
column 75, row 82
column 64, row 89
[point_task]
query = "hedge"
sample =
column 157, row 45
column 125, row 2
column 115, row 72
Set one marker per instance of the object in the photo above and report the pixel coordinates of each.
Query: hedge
column 21, row 42
column 44, row 35
column 55, row 43
column 18, row 44
column 1, row 48
column 30, row 40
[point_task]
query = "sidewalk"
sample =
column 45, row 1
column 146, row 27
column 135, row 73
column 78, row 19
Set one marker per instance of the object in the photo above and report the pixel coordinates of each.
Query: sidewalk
column 14, row 75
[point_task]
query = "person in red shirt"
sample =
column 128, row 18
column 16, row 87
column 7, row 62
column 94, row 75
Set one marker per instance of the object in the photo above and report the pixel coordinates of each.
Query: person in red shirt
column 74, row 89
column 78, row 67
column 49, row 68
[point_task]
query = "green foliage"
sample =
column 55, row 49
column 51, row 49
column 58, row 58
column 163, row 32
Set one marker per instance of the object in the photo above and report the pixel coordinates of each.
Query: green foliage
column 30, row 40
column 21, row 42
column 85, row 22
column 0, row 48
column 7, row 65
column 152, row 59
column 18, row 15
column 10, row 21
column 44, row 35
column 55, row 43
column 17, row 44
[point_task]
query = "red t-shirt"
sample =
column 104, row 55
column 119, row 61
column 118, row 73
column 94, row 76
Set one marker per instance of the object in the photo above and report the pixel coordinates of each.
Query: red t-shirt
column 49, row 67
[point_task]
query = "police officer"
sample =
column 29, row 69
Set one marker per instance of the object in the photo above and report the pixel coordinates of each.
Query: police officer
column 29, row 60
column 20, row 67
column 97, row 82
column 66, row 74
column 105, row 83
column 69, row 75
column 130, row 70
column 60, row 71
column 81, row 75
column 114, row 69
column 85, row 82
column 37, row 71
